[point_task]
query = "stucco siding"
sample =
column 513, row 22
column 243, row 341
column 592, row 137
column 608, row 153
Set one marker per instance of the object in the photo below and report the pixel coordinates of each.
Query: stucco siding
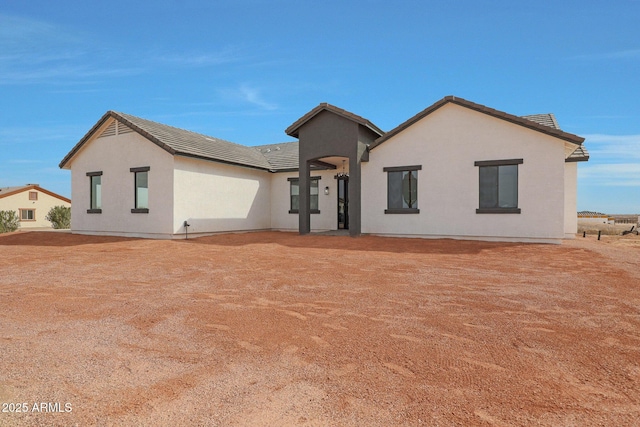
column 214, row 197
column 570, row 199
column 114, row 156
column 41, row 206
column 446, row 144
column 281, row 219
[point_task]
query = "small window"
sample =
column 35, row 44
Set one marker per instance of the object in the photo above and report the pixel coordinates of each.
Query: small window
column 95, row 189
column 27, row 214
column 141, row 192
column 402, row 189
column 498, row 186
column 33, row 195
column 295, row 195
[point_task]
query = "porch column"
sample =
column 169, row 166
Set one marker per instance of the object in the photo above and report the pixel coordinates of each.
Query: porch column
column 354, row 196
column 304, row 187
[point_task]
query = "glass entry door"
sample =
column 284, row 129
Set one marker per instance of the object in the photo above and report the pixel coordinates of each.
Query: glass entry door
column 343, row 203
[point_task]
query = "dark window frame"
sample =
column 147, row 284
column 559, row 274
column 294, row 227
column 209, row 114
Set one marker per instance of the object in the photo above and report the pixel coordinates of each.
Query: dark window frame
column 291, row 181
column 497, row 163
column 92, row 209
column 410, row 168
column 136, row 171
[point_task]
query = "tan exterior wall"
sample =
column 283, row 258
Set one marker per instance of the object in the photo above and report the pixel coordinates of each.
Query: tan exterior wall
column 281, row 219
column 446, row 144
column 114, row 156
column 570, row 200
column 42, row 206
column 214, row 197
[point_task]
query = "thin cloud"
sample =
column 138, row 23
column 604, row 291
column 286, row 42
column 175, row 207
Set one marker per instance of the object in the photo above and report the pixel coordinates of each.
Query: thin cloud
column 11, row 136
column 24, row 161
column 253, row 96
column 616, row 175
column 35, row 52
column 198, row 59
column 620, row 54
column 609, row 148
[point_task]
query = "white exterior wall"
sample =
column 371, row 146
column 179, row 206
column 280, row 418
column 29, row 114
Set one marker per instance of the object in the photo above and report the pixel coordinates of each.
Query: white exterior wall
column 42, row 206
column 114, row 156
column 281, row 219
column 595, row 220
column 214, row 197
column 570, row 200
column 447, row 143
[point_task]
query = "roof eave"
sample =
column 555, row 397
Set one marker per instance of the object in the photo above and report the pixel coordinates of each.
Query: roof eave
column 64, row 164
column 575, row 139
column 576, row 159
column 226, row 162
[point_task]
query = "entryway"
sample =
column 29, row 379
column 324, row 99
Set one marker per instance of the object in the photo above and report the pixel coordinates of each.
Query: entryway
column 343, row 202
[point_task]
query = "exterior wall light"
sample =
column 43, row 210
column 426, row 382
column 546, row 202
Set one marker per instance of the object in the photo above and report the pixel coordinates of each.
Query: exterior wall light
column 326, row 190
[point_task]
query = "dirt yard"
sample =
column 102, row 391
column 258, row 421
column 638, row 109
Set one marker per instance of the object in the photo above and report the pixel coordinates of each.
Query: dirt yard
column 276, row 329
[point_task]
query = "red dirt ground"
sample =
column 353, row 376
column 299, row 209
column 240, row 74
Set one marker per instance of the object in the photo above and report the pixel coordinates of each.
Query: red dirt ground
column 280, row 329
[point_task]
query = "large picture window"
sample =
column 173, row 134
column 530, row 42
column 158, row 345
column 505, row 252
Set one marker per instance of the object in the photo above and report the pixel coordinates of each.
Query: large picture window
column 95, row 190
column 141, row 193
column 498, row 186
column 295, row 195
column 402, row 189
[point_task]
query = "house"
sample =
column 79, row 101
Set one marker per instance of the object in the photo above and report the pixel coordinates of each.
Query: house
column 31, row 203
column 591, row 217
column 456, row 169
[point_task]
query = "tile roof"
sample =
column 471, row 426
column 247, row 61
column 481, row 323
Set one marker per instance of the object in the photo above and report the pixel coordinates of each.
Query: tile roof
column 6, row 190
column 580, row 154
column 181, row 142
column 544, row 119
column 283, row 156
column 590, row 213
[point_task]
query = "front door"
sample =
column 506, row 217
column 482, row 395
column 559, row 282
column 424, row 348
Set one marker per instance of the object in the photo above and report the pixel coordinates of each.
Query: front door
column 343, row 203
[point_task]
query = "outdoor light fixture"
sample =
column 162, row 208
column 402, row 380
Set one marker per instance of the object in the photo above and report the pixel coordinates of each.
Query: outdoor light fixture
column 342, row 174
column 326, row 190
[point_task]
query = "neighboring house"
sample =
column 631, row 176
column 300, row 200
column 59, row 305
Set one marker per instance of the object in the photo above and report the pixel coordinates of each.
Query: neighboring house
column 31, row 203
column 591, row 217
column 457, row 170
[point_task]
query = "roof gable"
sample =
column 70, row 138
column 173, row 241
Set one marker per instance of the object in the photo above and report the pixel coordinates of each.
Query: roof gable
column 530, row 123
column 9, row 191
column 295, row 127
column 177, row 142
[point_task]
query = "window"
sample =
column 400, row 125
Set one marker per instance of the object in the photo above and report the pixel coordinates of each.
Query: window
column 498, row 186
column 95, row 184
column 27, row 214
column 33, row 195
column 141, row 192
column 402, row 189
column 295, row 195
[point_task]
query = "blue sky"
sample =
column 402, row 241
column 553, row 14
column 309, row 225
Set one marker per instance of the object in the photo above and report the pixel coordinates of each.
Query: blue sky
column 244, row 70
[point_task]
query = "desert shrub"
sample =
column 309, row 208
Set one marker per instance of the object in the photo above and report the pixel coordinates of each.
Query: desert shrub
column 60, row 217
column 9, row 221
